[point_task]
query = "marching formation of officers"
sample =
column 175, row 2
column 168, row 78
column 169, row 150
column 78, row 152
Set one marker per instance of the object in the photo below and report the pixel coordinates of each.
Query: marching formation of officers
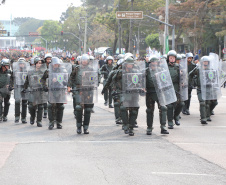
column 43, row 86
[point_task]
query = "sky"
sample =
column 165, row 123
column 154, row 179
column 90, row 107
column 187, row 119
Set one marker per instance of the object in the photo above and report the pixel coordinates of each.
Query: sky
column 39, row 9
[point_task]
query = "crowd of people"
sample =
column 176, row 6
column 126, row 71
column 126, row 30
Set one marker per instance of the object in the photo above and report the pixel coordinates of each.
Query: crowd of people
column 41, row 85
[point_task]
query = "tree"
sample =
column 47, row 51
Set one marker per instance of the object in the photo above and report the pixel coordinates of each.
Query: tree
column 192, row 20
column 21, row 20
column 153, row 41
column 31, row 25
column 51, row 30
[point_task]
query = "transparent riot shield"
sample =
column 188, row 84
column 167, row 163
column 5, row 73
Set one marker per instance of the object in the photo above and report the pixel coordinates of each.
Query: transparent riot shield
column 58, row 81
column 222, row 72
column 183, row 80
column 163, row 83
column 37, row 95
column 209, row 79
column 133, row 84
column 4, row 84
column 20, row 70
column 87, row 93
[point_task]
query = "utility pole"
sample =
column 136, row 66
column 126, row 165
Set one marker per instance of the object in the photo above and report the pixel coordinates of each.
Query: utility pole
column 119, row 31
column 166, row 35
column 225, row 45
column 138, row 40
column 85, row 36
column 79, row 39
column 131, row 31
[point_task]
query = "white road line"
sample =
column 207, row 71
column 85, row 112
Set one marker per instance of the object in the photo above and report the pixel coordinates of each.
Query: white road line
column 199, row 143
column 189, row 174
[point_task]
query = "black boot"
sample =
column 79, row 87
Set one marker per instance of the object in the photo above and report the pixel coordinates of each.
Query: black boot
column 4, row 118
column 131, row 133
column 51, row 125
column 203, row 122
column 32, row 121
column 59, row 126
column 17, row 119
column 177, row 123
column 86, row 131
column 163, row 131
column 45, row 115
column 110, row 106
column 79, row 130
column 39, row 124
column 105, row 103
column 24, row 120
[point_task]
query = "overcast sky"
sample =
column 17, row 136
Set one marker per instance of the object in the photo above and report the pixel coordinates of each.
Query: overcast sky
column 39, row 9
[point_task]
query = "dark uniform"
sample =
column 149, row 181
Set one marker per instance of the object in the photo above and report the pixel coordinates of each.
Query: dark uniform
column 151, row 98
column 105, row 70
column 37, row 95
column 84, row 95
column 111, row 83
column 20, row 98
column 191, row 80
column 4, row 89
column 174, row 109
column 55, row 110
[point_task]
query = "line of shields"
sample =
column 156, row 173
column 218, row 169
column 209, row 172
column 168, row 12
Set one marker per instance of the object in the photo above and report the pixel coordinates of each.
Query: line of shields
column 57, row 82
column 133, row 82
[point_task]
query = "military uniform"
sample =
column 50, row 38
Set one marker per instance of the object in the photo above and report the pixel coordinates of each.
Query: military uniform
column 174, row 109
column 112, row 83
column 17, row 81
column 55, row 110
column 203, row 104
column 105, row 70
column 80, row 93
column 4, row 93
column 191, row 80
column 37, row 95
column 151, row 98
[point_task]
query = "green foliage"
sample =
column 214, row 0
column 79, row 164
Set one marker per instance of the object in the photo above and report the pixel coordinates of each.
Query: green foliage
column 31, row 25
column 153, row 41
column 20, row 20
column 51, row 30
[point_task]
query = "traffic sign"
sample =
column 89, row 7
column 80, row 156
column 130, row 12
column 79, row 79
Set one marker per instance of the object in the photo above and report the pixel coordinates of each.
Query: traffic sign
column 129, row 15
column 3, row 32
column 33, row 34
column 224, row 50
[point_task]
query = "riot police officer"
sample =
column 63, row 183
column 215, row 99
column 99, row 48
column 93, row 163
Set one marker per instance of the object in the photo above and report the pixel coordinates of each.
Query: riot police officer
column 18, row 78
column 111, row 82
column 47, row 61
column 85, row 79
column 57, row 84
column 174, row 109
column 37, row 95
column 105, row 70
column 191, row 66
column 152, row 97
column 5, row 89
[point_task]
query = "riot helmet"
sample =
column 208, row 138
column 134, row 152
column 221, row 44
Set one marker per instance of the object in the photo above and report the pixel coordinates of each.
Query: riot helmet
column 109, row 58
column 171, row 57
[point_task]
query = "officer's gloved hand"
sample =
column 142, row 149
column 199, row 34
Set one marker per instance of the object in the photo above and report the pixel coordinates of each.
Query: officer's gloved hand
column 45, row 89
column 102, row 92
column 23, row 91
column 10, row 88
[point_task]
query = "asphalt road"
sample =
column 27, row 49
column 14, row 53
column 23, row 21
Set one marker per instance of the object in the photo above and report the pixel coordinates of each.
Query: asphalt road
column 190, row 154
